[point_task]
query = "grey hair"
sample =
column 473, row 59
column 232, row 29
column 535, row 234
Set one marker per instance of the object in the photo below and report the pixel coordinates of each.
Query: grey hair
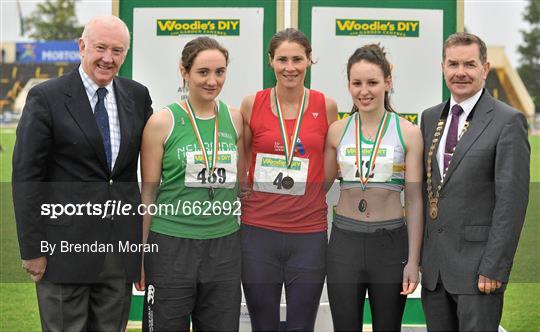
column 108, row 20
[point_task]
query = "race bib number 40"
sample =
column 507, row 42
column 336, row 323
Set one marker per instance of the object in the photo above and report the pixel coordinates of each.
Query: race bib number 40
column 382, row 171
column 198, row 176
column 272, row 175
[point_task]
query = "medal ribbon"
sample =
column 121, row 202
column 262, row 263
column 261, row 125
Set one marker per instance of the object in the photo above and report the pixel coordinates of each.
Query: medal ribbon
column 209, row 166
column 289, row 144
column 374, row 150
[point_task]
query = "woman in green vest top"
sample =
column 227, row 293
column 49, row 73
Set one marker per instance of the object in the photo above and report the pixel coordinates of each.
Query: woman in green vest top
column 192, row 159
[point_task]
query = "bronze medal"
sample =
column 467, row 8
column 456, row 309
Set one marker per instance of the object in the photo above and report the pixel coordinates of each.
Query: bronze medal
column 362, row 206
column 287, row 182
column 433, row 209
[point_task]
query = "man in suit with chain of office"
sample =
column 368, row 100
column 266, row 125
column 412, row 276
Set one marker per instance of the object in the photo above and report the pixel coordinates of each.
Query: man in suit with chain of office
column 477, row 174
column 78, row 142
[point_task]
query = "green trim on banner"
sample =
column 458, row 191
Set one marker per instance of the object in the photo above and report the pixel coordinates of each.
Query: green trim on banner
column 449, row 8
column 126, row 8
column 136, row 308
column 413, row 315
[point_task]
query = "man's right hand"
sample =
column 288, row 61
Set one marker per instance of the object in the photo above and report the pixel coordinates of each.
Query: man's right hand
column 487, row 285
column 35, row 267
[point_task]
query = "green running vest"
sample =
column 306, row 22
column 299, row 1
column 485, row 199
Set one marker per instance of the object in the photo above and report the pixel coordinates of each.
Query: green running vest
column 179, row 215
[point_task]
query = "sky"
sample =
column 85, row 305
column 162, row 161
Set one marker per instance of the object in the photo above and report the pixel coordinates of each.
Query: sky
column 497, row 22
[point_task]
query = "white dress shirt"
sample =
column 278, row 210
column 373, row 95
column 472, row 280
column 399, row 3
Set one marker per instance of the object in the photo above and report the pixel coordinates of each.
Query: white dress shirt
column 112, row 110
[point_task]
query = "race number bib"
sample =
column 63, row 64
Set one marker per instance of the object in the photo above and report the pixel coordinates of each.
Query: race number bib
column 198, row 176
column 382, row 171
column 272, row 175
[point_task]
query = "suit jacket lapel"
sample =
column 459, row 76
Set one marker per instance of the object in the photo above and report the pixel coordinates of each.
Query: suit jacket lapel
column 125, row 107
column 481, row 118
column 78, row 105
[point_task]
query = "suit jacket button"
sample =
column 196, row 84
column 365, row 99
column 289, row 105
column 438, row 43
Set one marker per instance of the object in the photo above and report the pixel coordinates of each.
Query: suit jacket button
column 440, row 230
column 110, row 181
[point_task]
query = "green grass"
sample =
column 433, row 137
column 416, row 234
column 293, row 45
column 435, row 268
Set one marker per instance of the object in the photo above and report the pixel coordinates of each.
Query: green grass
column 10, row 265
column 18, row 305
column 7, row 141
column 522, row 297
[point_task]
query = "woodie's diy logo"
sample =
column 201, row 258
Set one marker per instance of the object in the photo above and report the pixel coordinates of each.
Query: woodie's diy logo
column 354, row 27
column 412, row 117
column 220, row 27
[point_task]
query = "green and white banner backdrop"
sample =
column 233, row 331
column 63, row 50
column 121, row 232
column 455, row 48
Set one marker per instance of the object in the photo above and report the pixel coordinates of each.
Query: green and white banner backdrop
column 412, row 39
column 159, row 35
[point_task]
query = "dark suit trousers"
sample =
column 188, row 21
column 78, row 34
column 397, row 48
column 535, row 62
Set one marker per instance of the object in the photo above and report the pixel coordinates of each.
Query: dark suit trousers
column 102, row 306
column 461, row 312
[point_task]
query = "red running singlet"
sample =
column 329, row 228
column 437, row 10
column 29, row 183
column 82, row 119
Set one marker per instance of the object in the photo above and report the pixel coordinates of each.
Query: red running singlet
column 288, row 213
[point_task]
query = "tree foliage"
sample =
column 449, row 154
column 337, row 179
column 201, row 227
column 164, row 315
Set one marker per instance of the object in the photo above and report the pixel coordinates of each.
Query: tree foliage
column 54, row 20
column 530, row 52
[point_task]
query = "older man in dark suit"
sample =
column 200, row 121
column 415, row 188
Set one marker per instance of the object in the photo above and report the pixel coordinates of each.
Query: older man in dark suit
column 477, row 168
column 77, row 147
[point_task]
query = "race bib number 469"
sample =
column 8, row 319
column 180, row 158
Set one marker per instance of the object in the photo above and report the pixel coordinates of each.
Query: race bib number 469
column 198, row 176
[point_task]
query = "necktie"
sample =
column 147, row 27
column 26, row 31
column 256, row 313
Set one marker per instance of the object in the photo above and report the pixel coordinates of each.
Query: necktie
column 102, row 120
column 452, row 138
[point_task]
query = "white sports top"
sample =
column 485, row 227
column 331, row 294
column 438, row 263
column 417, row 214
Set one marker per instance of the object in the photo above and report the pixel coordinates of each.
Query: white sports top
column 389, row 170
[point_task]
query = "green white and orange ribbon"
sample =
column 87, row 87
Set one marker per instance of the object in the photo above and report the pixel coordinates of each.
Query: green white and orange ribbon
column 373, row 156
column 289, row 143
column 210, row 166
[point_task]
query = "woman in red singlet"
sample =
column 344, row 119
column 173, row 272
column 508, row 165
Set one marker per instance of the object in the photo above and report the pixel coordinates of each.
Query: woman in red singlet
column 284, row 217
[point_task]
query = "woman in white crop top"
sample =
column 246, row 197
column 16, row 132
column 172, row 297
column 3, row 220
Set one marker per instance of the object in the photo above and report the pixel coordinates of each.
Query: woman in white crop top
column 375, row 241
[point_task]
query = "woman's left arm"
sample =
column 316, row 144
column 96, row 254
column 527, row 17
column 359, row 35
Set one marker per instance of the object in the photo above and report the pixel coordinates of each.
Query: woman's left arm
column 413, row 202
